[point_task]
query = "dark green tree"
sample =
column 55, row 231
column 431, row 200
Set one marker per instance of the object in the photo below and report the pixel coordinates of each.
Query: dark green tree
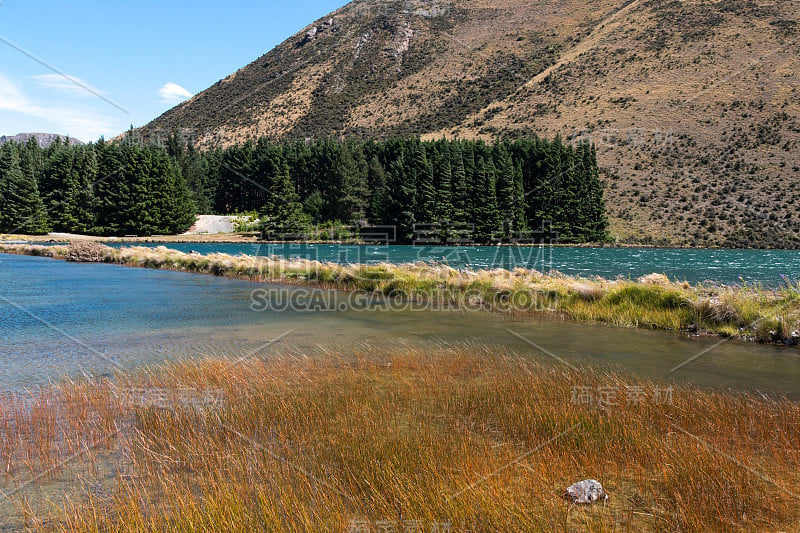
column 379, row 192
column 401, row 208
column 487, row 223
column 422, row 173
column 509, row 200
column 67, row 188
column 349, row 185
column 443, row 178
column 128, row 188
column 281, row 207
column 21, row 207
column 459, row 185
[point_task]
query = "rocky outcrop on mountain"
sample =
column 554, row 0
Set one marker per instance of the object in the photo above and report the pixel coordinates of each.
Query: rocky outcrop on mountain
column 44, row 139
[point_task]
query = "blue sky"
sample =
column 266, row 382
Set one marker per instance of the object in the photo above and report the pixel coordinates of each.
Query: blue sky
column 91, row 68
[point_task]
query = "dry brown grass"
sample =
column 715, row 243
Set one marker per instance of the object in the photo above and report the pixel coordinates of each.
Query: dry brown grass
column 487, row 441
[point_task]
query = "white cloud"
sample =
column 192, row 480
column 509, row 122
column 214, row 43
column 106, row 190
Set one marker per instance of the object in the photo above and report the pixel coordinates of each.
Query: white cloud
column 13, row 99
column 172, row 93
column 80, row 123
column 65, row 83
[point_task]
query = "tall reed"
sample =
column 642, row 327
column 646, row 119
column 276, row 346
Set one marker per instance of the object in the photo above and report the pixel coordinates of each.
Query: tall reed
column 387, row 435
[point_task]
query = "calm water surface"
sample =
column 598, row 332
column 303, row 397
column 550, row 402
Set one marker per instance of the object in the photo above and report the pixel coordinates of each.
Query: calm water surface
column 64, row 319
column 770, row 267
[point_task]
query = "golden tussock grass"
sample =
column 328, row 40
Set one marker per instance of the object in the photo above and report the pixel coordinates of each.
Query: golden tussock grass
column 483, row 440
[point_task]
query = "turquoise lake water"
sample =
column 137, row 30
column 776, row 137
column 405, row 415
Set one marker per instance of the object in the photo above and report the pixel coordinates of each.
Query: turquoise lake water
column 62, row 319
column 770, row 267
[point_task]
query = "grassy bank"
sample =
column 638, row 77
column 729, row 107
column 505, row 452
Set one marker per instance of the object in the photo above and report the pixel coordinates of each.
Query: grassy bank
column 654, row 302
column 482, row 440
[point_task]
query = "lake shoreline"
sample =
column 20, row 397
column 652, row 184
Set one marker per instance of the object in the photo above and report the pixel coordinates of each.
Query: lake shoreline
column 251, row 238
column 749, row 312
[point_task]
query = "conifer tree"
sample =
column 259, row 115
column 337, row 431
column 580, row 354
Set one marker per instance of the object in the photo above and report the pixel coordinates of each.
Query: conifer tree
column 596, row 218
column 486, row 207
column 490, row 213
column 128, row 188
column 174, row 205
column 234, row 186
column 110, row 190
column 379, row 192
column 519, row 207
column 426, row 192
column 67, row 188
column 21, row 207
column 468, row 156
column 459, row 185
column 443, row 176
column 282, row 206
column 349, row 175
column 507, row 198
column 403, row 193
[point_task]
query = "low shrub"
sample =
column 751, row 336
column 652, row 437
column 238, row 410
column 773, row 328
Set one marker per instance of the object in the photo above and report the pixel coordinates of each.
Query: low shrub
column 87, row 252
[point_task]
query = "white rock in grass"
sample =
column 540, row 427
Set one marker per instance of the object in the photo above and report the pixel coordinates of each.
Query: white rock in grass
column 587, row 491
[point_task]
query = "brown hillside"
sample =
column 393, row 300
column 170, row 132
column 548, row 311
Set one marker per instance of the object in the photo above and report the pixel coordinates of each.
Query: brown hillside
column 694, row 106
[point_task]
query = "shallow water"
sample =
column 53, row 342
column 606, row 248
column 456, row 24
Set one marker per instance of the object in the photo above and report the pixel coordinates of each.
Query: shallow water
column 65, row 319
column 770, row 267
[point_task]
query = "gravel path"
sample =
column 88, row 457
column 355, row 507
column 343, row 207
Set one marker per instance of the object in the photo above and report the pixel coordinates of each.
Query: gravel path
column 212, row 224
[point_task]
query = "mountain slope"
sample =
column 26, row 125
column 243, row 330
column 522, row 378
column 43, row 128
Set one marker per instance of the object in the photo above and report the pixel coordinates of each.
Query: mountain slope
column 694, row 106
column 44, row 139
